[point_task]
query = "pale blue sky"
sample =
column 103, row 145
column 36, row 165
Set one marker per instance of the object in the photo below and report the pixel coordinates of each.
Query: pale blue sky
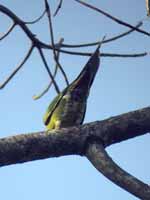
column 121, row 85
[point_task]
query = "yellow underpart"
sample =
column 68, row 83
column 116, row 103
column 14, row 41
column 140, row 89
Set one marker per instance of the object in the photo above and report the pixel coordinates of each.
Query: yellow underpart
column 55, row 120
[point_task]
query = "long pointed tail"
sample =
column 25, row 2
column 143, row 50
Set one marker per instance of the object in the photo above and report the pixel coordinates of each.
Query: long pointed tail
column 87, row 75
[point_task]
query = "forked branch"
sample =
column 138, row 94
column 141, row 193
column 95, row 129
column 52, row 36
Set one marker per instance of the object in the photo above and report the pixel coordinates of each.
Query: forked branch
column 41, row 44
column 48, row 70
column 35, row 97
column 98, row 156
column 48, row 11
column 83, row 140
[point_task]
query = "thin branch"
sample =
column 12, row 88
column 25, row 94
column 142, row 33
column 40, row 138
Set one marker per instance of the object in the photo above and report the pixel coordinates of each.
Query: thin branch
column 36, row 97
column 17, row 68
column 58, row 8
column 105, row 54
column 113, row 18
column 124, row 55
column 19, row 22
column 105, row 41
column 37, row 19
column 48, row 11
column 97, row 155
column 8, row 31
column 48, row 70
column 77, row 53
column 41, row 44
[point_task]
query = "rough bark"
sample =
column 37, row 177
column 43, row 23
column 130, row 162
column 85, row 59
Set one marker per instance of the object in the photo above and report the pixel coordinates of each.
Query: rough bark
column 69, row 141
column 89, row 140
column 104, row 164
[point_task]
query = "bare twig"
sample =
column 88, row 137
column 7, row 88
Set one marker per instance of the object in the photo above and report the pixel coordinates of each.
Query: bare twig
column 8, row 31
column 48, row 70
column 48, row 11
column 113, row 18
column 41, row 44
column 105, row 54
column 124, row 55
column 36, row 20
column 36, row 97
column 17, row 68
column 58, row 8
column 105, row 165
column 105, row 41
column 77, row 53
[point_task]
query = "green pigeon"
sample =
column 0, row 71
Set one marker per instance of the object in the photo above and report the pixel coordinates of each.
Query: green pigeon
column 69, row 106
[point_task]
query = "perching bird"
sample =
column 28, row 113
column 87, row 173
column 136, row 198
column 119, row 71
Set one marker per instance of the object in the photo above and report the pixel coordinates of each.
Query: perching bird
column 68, row 108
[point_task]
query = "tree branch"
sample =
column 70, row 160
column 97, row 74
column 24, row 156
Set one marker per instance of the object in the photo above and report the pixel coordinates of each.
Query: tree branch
column 35, row 97
column 58, row 8
column 8, row 31
column 48, row 12
column 113, row 18
column 33, row 146
column 37, row 19
column 112, row 39
column 103, row 163
column 17, row 68
column 79, row 141
column 105, row 54
column 37, row 43
column 48, row 70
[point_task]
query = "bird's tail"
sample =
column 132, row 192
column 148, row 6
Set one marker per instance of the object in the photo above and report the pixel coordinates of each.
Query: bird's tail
column 87, row 75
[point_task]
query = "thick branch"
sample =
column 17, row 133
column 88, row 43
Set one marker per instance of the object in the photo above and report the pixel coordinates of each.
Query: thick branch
column 27, row 147
column 103, row 163
column 84, row 140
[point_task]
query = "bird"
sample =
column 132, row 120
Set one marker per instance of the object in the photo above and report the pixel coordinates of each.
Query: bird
column 68, row 108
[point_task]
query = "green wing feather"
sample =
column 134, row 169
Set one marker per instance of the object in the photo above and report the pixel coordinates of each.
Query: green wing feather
column 51, row 108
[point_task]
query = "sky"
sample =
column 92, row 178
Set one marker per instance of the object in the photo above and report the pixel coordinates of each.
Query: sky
column 121, row 85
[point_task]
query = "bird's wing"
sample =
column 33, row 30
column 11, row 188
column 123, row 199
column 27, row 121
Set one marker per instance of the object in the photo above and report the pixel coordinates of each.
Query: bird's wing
column 83, row 115
column 51, row 108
